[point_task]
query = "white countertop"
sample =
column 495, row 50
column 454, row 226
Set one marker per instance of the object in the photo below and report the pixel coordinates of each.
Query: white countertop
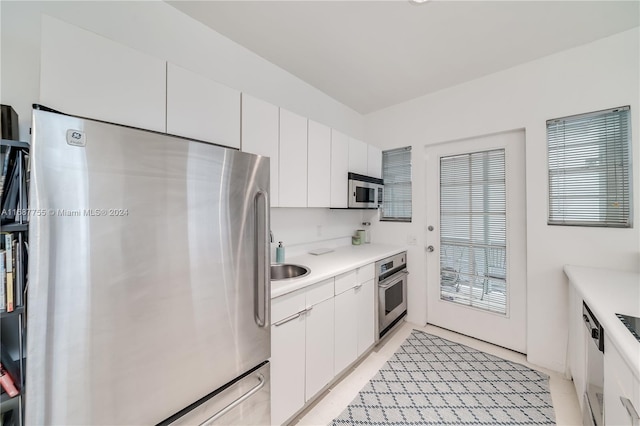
column 609, row 292
column 324, row 266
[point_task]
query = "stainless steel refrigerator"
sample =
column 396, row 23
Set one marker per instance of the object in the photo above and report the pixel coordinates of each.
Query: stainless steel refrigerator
column 148, row 297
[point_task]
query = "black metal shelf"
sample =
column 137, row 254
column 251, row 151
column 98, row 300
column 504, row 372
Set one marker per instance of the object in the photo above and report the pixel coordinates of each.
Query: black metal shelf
column 17, row 311
column 14, row 227
column 13, row 323
column 9, row 403
column 18, row 144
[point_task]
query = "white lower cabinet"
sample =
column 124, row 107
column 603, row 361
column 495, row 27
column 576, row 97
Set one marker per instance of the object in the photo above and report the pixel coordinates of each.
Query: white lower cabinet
column 301, row 348
column 621, row 389
column 577, row 348
column 355, row 316
column 346, row 330
column 319, row 347
column 365, row 299
column 316, row 333
column 288, row 331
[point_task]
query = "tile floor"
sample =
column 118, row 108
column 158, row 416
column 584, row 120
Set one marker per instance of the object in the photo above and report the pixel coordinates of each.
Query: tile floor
column 336, row 398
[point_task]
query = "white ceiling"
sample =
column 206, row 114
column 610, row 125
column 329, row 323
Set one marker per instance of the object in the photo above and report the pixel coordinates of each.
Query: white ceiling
column 373, row 54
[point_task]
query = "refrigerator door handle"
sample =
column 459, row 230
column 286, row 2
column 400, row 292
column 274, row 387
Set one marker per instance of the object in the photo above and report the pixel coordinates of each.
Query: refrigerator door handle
column 263, row 266
column 237, row 402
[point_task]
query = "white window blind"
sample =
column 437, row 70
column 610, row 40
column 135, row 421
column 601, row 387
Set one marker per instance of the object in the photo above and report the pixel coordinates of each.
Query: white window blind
column 396, row 173
column 590, row 169
column 473, row 243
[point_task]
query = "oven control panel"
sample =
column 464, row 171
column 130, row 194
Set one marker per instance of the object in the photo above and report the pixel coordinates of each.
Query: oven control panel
column 393, row 263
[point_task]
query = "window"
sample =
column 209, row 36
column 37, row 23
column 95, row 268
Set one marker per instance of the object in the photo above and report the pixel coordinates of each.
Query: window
column 473, row 230
column 590, row 169
column 396, row 173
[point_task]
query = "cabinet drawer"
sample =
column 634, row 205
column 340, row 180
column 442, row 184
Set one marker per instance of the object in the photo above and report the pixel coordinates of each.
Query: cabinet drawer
column 320, row 292
column 346, row 281
column 287, row 305
column 366, row 273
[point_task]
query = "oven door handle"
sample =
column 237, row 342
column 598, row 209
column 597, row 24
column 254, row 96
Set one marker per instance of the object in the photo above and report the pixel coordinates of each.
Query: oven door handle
column 392, row 279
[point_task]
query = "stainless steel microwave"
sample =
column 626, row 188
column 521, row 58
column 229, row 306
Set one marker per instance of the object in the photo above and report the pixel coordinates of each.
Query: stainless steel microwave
column 365, row 192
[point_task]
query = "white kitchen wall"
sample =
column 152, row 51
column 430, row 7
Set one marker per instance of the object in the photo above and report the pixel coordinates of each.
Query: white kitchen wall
column 301, row 229
column 156, row 28
column 595, row 76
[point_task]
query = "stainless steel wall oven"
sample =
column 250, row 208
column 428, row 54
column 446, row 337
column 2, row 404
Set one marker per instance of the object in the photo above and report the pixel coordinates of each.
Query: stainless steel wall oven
column 391, row 274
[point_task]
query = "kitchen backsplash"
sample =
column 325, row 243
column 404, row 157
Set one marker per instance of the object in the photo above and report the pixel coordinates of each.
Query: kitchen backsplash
column 303, row 229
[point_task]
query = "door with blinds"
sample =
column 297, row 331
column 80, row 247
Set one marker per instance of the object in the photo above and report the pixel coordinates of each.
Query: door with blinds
column 476, row 260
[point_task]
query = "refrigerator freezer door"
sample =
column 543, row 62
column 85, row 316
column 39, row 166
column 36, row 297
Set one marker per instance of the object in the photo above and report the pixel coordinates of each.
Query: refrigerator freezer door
column 246, row 402
column 149, row 282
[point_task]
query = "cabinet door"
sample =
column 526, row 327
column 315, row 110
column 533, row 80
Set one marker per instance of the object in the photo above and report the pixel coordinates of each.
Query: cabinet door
column 260, row 136
column 577, row 348
column 619, row 382
column 319, row 347
column 339, row 169
column 374, row 163
column 365, row 295
column 82, row 73
column 358, row 156
column 346, row 330
column 293, row 160
column 318, row 163
column 202, row 109
column 287, row 369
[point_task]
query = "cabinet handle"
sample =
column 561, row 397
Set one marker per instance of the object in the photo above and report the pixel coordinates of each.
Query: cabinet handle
column 292, row 317
column 358, row 286
column 289, row 318
column 633, row 414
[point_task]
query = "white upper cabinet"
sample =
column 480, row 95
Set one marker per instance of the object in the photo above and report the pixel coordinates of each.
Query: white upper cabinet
column 318, row 165
column 339, row 169
column 293, row 159
column 374, row 163
column 200, row 108
column 82, row 73
column 358, row 156
column 260, row 124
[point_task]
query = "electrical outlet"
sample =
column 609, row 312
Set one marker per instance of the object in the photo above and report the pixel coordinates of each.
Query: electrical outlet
column 412, row 240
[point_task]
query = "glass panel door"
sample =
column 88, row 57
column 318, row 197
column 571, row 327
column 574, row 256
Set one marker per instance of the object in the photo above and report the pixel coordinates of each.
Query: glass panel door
column 473, row 257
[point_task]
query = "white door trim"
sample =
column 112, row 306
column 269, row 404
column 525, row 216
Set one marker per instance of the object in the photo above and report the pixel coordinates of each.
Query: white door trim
column 504, row 330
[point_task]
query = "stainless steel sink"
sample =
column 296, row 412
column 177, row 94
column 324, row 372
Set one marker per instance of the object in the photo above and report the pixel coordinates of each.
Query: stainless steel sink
column 288, row 270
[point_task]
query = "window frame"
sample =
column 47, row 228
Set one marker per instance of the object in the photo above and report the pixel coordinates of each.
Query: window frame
column 383, row 216
column 623, row 184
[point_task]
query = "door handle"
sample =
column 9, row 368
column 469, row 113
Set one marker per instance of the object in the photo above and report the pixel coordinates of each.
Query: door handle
column 237, row 402
column 430, row 249
column 262, row 264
